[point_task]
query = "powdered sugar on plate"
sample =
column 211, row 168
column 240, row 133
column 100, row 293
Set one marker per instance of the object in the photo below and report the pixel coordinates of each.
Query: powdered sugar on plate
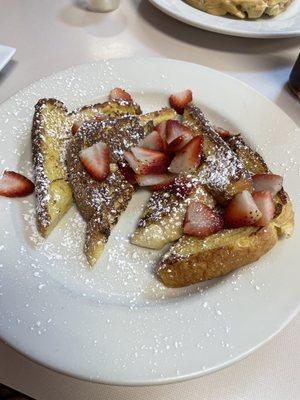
column 116, row 323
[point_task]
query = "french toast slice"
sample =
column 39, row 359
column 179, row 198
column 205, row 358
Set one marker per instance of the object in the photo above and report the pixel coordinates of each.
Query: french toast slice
column 191, row 260
column 101, row 203
column 51, row 130
column 53, row 193
column 220, row 177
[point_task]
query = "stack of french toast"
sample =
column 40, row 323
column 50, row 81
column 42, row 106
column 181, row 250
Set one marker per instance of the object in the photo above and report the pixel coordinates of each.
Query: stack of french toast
column 215, row 205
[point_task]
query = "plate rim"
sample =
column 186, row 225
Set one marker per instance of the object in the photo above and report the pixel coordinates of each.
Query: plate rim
column 174, row 378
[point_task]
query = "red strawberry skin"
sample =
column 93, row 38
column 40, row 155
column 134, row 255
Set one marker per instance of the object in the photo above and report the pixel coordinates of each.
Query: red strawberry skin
column 150, row 161
column 174, row 129
column 270, row 182
column 13, row 184
column 127, row 172
column 179, row 143
column 241, row 211
column 119, row 94
column 76, row 125
column 189, row 157
column 201, row 220
column 153, row 141
column 146, row 162
column 161, row 128
column 177, row 135
column 180, row 100
column 157, row 182
column 222, row 132
column 96, row 160
column 265, row 204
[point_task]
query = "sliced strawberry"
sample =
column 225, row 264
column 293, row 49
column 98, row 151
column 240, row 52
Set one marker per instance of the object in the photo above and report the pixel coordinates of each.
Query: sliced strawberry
column 145, row 161
column 179, row 143
column 76, row 125
column 265, row 204
column 158, row 182
column 201, row 220
column 119, row 94
column 161, row 128
column 13, row 184
column 132, row 161
column 189, row 157
column 151, row 161
column 127, row 172
column 174, row 129
column 242, row 211
column 96, row 160
column 177, row 135
column 153, row 141
column 180, row 100
column 223, row 132
column 270, row 182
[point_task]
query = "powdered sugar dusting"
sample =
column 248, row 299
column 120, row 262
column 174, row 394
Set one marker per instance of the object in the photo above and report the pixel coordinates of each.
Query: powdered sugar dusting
column 116, row 323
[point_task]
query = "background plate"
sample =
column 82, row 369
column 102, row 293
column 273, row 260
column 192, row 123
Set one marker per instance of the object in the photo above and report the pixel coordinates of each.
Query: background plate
column 116, row 323
column 286, row 24
column 6, row 54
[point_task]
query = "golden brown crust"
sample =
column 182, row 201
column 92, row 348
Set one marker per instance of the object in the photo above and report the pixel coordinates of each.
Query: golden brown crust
column 51, row 131
column 192, row 260
column 96, row 236
column 177, row 270
column 53, row 194
column 159, row 116
column 221, row 175
column 219, row 160
column 284, row 222
column 101, row 203
column 112, row 108
column 253, row 161
column 156, row 233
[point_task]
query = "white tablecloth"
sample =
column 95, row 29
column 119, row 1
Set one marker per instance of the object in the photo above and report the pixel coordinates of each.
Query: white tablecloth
column 51, row 35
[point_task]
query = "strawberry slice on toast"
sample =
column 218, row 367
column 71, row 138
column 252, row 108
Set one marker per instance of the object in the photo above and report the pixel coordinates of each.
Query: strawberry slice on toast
column 265, row 204
column 180, row 100
column 119, row 94
column 242, row 211
column 145, row 161
column 189, row 157
column 161, row 128
column 158, row 182
column 96, row 160
column 201, row 220
column 153, row 141
column 177, row 135
column 76, row 125
column 269, row 182
column 224, row 133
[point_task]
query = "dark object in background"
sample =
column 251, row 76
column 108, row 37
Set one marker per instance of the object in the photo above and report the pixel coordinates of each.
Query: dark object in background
column 7, row 393
column 294, row 80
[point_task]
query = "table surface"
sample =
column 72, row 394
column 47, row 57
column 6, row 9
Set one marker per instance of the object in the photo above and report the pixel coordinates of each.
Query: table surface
column 51, row 35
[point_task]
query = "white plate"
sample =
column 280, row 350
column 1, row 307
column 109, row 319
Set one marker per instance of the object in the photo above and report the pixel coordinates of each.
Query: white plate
column 6, row 54
column 117, row 323
column 286, row 24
